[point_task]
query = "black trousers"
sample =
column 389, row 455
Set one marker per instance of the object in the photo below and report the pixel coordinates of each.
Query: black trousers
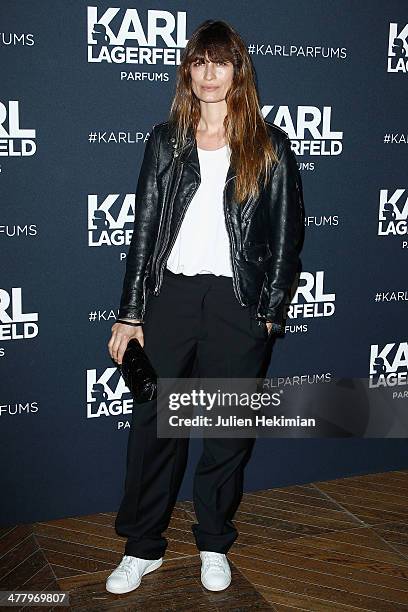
column 194, row 324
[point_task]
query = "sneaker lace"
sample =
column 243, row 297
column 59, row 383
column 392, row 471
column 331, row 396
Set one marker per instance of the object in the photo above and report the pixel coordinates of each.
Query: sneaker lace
column 213, row 559
column 126, row 564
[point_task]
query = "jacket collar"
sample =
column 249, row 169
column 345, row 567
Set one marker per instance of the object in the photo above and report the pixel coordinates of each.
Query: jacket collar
column 188, row 154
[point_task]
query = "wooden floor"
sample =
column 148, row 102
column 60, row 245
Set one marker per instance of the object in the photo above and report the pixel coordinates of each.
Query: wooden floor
column 327, row 546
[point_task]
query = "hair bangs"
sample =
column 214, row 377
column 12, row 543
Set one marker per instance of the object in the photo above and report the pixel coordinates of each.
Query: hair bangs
column 214, row 44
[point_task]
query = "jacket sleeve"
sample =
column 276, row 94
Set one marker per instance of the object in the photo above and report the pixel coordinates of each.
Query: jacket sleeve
column 133, row 298
column 286, row 233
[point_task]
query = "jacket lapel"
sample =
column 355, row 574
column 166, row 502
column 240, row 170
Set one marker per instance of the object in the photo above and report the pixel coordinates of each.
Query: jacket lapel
column 188, row 154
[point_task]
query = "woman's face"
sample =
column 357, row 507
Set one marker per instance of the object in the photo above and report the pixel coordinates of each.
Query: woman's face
column 210, row 81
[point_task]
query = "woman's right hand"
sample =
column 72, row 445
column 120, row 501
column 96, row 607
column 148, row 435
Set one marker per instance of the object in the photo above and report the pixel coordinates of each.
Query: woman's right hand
column 121, row 334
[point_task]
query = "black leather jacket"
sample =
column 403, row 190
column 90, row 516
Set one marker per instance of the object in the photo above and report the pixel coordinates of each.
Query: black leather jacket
column 265, row 234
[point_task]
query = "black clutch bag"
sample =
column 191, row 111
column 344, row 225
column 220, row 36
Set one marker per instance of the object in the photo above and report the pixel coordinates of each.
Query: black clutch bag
column 138, row 373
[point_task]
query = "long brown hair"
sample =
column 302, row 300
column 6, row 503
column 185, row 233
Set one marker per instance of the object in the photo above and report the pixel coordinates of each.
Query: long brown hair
column 252, row 152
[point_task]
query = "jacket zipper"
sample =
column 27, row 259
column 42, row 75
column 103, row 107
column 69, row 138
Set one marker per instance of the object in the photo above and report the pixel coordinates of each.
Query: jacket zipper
column 245, row 208
column 234, row 279
column 164, row 212
column 156, row 290
column 165, row 209
column 247, row 217
column 160, row 269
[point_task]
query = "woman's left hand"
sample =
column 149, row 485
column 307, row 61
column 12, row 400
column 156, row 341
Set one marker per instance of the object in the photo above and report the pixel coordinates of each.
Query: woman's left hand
column 269, row 325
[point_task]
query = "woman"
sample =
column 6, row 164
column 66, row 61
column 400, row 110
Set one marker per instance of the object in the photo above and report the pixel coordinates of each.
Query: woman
column 214, row 253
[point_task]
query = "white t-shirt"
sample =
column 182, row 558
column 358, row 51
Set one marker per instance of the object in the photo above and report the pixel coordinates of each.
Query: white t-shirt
column 202, row 244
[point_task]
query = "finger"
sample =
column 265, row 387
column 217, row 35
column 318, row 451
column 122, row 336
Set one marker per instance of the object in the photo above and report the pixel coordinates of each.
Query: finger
column 121, row 349
column 116, row 346
column 111, row 344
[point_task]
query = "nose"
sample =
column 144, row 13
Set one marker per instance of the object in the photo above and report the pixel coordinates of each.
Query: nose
column 209, row 70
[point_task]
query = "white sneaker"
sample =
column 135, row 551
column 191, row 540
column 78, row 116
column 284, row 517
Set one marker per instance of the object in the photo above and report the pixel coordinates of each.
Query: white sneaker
column 128, row 575
column 215, row 570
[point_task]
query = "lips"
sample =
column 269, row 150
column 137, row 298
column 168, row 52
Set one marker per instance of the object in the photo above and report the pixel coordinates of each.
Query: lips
column 209, row 88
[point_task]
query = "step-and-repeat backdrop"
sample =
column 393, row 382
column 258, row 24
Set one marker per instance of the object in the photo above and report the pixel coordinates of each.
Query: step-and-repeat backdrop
column 81, row 84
